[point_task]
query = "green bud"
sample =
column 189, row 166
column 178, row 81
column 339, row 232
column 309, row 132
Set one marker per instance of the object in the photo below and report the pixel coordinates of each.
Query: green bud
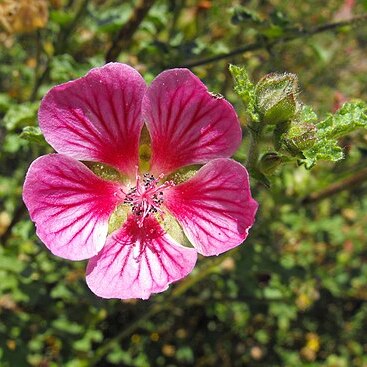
column 276, row 97
column 299, row 137
column 269, row 162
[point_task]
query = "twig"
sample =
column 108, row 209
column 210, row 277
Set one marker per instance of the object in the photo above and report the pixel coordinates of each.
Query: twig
column 300, row 32
column 345, row 184
column 123, row 38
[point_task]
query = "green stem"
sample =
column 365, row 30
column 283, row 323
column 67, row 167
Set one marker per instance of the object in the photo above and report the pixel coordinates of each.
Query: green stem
column 253, row 152
column 252, row 163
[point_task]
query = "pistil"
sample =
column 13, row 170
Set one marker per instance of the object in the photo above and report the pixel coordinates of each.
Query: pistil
column 147, row 196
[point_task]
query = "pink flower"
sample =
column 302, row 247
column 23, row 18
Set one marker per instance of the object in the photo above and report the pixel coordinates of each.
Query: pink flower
column 100, row 118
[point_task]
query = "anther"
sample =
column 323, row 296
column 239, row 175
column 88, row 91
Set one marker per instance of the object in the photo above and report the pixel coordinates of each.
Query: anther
column 147, row 196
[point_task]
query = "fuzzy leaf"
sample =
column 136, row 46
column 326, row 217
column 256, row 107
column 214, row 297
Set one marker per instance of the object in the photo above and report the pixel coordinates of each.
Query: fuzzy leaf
column 306, row 114
column 245, row 89
column 351, row 116
column 327, row 150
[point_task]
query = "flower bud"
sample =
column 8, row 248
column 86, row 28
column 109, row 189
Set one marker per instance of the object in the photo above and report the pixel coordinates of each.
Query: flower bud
column 269, row 162
column 300, row 136
column 276, row 97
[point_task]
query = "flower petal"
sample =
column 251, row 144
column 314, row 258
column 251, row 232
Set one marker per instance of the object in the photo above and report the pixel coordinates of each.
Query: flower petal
column 97, row 117
column 70, row 205
column 215, row 207
column 137, row 262
column 187, row 124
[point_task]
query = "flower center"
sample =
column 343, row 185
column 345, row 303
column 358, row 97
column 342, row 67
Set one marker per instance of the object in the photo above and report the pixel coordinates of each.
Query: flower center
column 147, row 196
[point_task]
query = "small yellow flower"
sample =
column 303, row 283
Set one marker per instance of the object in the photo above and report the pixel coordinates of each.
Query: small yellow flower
column 309, row 351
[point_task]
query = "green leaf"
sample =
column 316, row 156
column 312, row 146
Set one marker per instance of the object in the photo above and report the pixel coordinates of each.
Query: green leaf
column 185, row 354
column 326, row 150
column 245, row 89
column 21, row 115
column 10, row 264
column 5, row 102
column 12, row 143
column 111, row 19
column 351, row 116
column 61, row 291
column 306, row 114
column 33, row 134
column 64, row 325
column 61, row 17
column 64, row 68
column 273, row 32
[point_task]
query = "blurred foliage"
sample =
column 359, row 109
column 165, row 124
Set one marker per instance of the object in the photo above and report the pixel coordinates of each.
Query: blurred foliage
column 295, row 294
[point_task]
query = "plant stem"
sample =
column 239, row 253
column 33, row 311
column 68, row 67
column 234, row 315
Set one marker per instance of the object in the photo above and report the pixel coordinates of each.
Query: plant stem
column 253, row 152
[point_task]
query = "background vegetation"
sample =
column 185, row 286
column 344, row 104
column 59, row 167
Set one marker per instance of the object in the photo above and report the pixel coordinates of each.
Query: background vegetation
column 295, row 293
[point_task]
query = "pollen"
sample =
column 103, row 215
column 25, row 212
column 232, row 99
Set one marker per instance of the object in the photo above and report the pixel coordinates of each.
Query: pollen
column 147, row 196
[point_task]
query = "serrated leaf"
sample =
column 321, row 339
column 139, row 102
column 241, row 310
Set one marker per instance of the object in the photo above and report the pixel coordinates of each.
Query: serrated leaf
column 327, row 150
column 245, row 89
column 306, row 114
column 351, row 116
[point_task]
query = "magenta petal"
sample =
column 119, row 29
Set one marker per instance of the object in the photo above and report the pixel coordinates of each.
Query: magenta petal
column 97, row 117
column 215, row 207
column 137, row 262
column 70, row 205
column 187, row 124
